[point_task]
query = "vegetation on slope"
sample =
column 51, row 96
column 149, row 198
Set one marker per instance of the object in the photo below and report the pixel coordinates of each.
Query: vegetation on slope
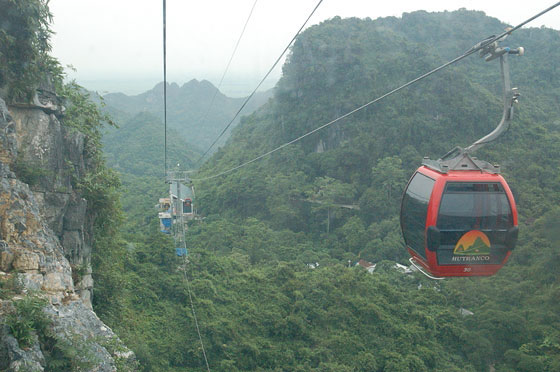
column 24, row 46
column 26, row 68
column 188, row 109
column 262, row 308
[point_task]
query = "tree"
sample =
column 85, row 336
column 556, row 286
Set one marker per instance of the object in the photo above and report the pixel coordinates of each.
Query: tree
column 328, row 193
column 382, row 198
column 389, row 176
column 24, row 46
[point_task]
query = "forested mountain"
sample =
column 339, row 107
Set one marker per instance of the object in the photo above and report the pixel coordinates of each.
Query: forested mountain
column 137, row 147
column 262, row 307
column 188, row 109
column 366, row 159
column 271, row 271
column 136, row 150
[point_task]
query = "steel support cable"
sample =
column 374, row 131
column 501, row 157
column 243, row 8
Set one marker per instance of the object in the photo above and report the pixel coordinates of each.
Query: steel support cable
column 183, row 244
column 179, row 236
column 260, row 83
column 474, row 49
column 194, row 313
column 164, row 88
column 227, row 66
column 182, row 231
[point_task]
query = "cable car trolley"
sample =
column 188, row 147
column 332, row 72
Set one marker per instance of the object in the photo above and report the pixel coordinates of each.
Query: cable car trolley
column 458, row 214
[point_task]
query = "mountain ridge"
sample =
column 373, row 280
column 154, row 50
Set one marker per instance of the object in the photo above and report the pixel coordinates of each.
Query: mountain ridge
column 188, row 108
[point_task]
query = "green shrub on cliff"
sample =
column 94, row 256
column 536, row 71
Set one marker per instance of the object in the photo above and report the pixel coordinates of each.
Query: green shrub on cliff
column 24, row 46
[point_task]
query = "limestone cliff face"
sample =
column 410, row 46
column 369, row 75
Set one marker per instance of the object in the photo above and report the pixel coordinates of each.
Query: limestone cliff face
column 57, row 154
column 45, row 233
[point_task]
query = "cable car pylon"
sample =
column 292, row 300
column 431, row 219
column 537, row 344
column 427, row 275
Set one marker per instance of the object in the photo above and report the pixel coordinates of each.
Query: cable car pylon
column 178, row 209
column 458, row 214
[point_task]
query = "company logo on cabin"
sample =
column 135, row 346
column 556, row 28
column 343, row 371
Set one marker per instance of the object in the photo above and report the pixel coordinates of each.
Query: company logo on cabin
column 473, row 243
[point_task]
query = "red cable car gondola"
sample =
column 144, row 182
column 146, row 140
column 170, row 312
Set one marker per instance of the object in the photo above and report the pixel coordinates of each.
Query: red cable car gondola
column 458, row 215
column 459, row 223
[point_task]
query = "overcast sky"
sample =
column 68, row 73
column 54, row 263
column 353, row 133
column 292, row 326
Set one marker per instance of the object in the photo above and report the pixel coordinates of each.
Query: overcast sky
column 116, row 45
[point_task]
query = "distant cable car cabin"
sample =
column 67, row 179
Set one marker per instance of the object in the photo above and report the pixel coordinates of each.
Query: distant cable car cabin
column 458, row 214
column 177, row 210
column 181, row 192
column 165, row 218
column 183, row 197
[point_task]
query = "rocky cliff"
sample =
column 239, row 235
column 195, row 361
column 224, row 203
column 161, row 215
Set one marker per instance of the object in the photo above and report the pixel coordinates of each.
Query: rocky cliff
column 45, row 239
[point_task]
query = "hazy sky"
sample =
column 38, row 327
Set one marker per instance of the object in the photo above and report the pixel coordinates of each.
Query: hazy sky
column 116, row 45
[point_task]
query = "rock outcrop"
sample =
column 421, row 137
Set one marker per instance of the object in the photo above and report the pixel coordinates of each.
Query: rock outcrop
column 45, row 235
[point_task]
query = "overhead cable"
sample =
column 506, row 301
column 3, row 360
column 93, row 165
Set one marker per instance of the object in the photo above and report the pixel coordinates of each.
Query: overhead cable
column 165, row 166
column 472, row 50
column 260, row 83
column 227, row 67
column 194, row 314
column 164, row 90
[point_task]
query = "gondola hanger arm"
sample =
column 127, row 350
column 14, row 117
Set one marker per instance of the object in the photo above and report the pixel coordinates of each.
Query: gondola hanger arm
column 510, row 95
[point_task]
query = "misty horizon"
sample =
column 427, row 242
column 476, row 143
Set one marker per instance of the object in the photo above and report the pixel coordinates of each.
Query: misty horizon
column 233, row 88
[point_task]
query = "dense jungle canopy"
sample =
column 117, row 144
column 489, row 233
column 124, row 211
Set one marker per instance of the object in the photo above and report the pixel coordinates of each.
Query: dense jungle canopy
column 260, row 304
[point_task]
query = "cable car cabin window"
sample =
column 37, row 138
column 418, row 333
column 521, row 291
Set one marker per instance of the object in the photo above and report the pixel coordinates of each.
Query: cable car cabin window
column 414, row 211
column 187, row 206
column 473, row 220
